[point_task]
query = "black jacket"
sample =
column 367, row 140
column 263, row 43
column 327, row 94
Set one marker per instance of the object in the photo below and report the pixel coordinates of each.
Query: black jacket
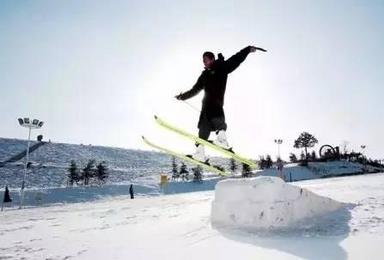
column 214, row 81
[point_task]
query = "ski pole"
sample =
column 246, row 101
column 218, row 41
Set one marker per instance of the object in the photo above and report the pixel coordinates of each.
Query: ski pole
column 192, row 106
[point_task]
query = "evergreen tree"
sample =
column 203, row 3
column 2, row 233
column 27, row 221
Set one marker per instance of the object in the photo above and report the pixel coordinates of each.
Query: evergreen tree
column 88, row 172
column 175, row 172
column 268, row 162
column 101, row 172
column 233, row 165
column 303, row 159
column 183, row 173
column 246, row 171
column 263, row 163
column 293, row 158
column 73, row 175
column 197, row 174
column 313, row 156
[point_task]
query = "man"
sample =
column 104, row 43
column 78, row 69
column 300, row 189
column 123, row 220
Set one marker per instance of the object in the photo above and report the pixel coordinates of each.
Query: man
column 213, row 81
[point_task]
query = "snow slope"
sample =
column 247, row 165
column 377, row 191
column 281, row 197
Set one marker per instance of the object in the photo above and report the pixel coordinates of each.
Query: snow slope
column 50, row 163
column 178, row 227
column 10, row 147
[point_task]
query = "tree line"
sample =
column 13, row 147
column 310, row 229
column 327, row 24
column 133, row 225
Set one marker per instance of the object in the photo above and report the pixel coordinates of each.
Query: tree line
column 92, row 173
column 182, row 173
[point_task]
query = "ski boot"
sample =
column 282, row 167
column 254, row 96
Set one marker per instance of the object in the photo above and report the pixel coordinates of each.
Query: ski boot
column 221, row 140
column 199, row 155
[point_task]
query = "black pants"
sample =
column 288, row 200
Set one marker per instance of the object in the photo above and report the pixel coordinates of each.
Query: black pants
column 206, row 126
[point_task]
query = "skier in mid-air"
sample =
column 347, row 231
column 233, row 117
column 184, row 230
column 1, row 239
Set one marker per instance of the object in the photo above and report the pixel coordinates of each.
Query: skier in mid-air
column 214, row 80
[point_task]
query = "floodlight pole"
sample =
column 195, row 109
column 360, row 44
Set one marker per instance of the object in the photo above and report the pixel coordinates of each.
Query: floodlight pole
column 362, row 148
column 25, row 169
column 35, row 124
column 278, row 142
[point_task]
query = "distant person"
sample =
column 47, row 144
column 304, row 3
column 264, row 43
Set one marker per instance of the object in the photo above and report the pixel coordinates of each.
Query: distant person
column 213, row 81
column 131, row 191
column 7, row 197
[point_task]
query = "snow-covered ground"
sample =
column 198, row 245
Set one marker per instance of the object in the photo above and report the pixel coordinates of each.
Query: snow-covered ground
column 150, row 186
column 179, row 227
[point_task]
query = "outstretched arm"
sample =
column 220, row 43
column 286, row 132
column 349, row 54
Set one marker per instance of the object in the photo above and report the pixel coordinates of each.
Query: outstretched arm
column 233, row 62
column 193, row 91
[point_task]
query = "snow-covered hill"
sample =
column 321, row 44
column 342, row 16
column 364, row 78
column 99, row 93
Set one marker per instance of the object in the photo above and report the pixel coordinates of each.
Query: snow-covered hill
column 47, row 178
column 179, row 227
column 316, row 170
column 51, row 161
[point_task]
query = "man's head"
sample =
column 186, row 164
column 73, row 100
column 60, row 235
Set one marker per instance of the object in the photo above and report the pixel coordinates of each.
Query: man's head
column 208, row 59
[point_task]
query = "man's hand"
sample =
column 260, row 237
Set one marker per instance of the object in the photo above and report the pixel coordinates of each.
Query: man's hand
column 178, row 97
column 253, row 49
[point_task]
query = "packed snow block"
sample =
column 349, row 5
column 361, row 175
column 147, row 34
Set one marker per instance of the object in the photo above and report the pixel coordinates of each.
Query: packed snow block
column 265, row 203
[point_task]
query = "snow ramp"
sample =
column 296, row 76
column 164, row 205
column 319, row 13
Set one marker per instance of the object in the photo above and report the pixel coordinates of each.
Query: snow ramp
column 266, row 203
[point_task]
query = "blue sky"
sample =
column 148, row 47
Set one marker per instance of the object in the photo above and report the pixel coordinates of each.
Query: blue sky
column 97, row 71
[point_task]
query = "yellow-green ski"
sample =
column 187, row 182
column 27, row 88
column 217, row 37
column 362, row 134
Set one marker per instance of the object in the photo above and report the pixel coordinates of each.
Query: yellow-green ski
column 206, row 143
column 209, row 168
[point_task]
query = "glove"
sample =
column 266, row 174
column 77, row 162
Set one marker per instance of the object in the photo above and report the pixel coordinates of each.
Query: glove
column 253, row 49
column 178, row 97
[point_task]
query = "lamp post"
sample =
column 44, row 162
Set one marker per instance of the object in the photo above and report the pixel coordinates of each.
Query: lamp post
column 34, row 124
column 278, row 142
column 362, row 148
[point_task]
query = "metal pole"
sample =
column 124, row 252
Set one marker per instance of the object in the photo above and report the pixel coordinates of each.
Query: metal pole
column 278, row 142
column 25, row 170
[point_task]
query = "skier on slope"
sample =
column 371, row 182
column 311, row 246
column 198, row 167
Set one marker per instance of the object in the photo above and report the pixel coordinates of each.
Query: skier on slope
column 214, row 80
